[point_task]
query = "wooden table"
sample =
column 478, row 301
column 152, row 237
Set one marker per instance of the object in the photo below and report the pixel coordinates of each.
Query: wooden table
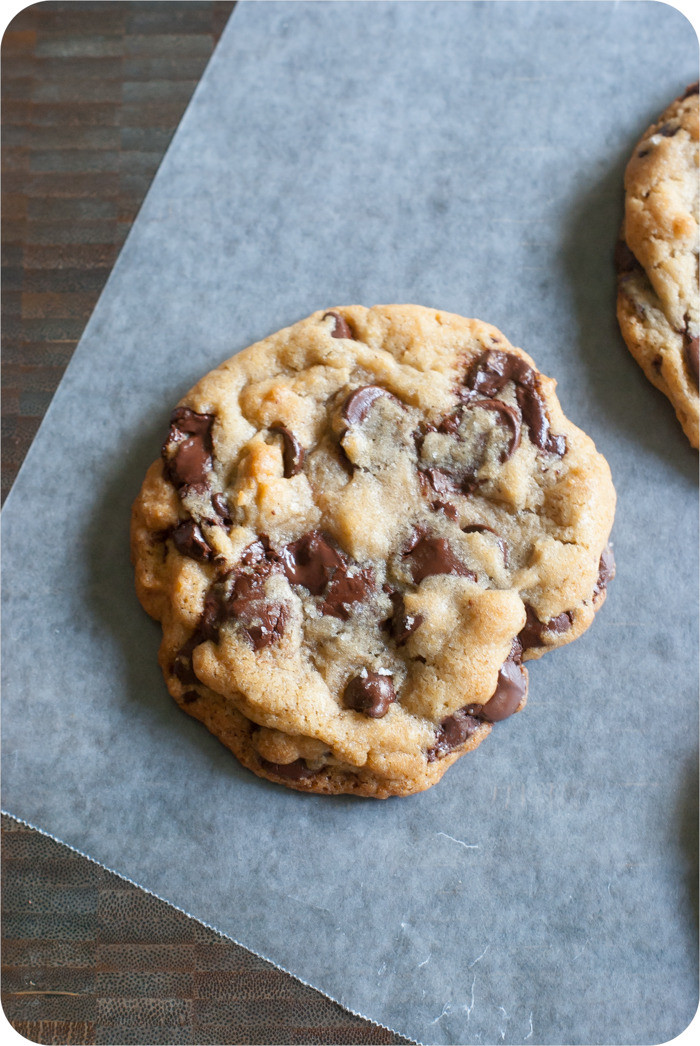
column 92, row 93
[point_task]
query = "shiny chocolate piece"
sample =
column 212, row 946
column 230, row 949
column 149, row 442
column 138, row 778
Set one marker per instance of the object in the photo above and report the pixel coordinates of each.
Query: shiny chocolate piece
column 296, row 771
column 342, row 328
column 429, row 556
column 534, row 630
column 293, row 453
column 370, row 693
column 493, row 370
column 357, row 405
column 311, row 561
column 690, row 353
column 510, row 690
column 509, row 416
column 187, row 451
column 189, row 541
column 453, row 731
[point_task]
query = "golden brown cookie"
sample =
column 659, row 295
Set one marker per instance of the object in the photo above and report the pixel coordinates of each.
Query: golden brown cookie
column 657, row 258
column 356, row 532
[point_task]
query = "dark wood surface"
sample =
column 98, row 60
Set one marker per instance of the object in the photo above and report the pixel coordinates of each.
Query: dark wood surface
column 91, row 96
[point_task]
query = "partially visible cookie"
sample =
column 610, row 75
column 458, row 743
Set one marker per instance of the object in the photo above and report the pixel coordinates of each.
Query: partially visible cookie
column 657, row 258
column 357, row 531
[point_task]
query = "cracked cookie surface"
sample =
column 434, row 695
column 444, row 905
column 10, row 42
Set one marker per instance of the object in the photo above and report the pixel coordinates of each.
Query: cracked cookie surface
column 657, row 258
column 356, row 533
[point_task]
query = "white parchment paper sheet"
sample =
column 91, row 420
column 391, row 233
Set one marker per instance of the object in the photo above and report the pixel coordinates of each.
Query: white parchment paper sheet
column 467, row 157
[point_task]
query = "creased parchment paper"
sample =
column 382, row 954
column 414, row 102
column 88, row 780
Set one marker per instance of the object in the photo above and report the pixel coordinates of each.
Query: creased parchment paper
column 467, row 157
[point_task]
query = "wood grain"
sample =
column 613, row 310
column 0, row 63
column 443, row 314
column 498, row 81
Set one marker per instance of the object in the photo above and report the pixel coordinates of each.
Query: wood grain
column 91, row 96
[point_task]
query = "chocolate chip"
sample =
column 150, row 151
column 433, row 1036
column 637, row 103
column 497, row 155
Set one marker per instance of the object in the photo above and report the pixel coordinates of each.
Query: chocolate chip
column 430, row 556
column 624, row 259
column 690, row 351
column 296, row 771
column 181, row 667
column 402, row 625
column 357, row 405
column 482, row 528
column 511, row 419
column 493, row 370
column 342, row 328
column 668, row 130
column 606, row 571
column 453, row 731
column 189, row 697
column 293, row 453
column 370, row 693
column 533, row 632
column 444, row 482
column 190, row 541
column 693, row 89
column 262, row 621
column 221, row 508
column 311, row 561
column 187, row 451
column 510, row 690
column 349, row 585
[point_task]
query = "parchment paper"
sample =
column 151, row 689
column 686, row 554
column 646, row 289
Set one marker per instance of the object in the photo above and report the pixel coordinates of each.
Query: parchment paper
column 462, row 156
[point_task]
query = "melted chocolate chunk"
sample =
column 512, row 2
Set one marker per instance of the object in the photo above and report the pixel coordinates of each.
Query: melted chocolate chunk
column 293, row 453
column 370, row 693
column 342, row 328
column 221, row 508
column 510, row 417
column 534, row 629
column 510, row 690
column 453, row 731
column 296, row 771
column 668, row 130
column 311, row 561
column 357, row 405
column 690, row 352
column 430, row 556
column 187, row 451
column 693, row 89
column 189, row 697
column 493, row 370
column 190, row 541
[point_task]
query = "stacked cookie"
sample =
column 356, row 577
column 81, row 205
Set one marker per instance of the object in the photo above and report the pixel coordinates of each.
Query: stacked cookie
column 358, row 532
column 657, row 258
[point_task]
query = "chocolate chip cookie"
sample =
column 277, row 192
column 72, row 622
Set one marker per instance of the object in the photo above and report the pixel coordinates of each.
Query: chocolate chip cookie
column 357, row 532
column 657, row 258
